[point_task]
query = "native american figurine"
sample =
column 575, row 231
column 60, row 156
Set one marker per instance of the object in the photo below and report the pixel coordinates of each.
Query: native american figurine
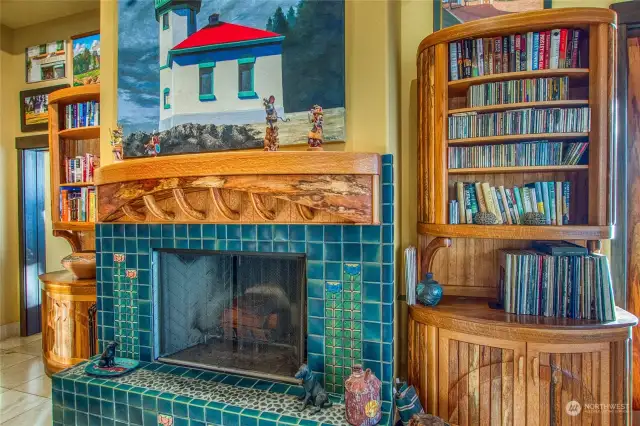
column 315, row 138
column 271, row 132
column 153, row 146
column 116, row 144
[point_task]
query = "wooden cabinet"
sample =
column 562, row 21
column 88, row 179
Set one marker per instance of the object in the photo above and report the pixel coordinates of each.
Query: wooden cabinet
column 473, row 365
column 481, row 381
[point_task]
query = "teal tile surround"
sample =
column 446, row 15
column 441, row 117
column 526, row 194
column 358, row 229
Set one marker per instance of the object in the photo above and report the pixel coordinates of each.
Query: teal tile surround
column 350, row 298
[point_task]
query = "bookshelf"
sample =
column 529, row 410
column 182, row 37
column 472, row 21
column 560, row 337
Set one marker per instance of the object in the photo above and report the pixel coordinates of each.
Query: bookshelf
column 70, row 143
column 449, row 343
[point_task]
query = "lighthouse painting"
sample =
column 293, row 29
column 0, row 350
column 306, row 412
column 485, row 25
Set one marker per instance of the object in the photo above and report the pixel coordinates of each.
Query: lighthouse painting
column 193, row 75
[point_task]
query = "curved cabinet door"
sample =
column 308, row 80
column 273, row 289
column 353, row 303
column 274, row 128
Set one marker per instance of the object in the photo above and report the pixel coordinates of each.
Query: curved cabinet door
column 481, row 380
column 567, row 383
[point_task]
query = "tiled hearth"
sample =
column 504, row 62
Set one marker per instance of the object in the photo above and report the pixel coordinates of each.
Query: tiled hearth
column 350, row 311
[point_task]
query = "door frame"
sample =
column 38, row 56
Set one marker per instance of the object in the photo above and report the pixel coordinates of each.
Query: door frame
column 40, row 143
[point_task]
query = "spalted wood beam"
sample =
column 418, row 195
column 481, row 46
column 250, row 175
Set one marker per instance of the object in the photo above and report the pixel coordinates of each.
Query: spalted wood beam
column 352, row 197
column 306, row 212
column 261, row 208
column 155, row 209
column 222, row 205
column 133, row 214
column 184, row 205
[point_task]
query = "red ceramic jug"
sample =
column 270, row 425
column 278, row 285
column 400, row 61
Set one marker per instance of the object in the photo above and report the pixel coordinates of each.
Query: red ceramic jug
column 362, row 397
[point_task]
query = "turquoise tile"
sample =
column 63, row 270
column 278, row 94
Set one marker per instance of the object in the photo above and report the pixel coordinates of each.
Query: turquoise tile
column 265, row 232
column 265, row 246
column 281, row 247
column 195, row 231
column 230, row 419
column 387, row 253
column 118, row 230
column 297, row 247
column 371, row 312
column 249, row 232
column 315, row 233
column 332, row 252
column 352, row 252
column 181, row 231
column 315, row 270
column 221, row 232
column 281, row 232
column 209, row 244
column 221, row 244
column 181, row 244
column 208, row 231
column 315, row 307
column 371, row 272
column 333, row 270
column 371, row 253
column 233, row 232
column 333, row 233
column 155, row 231
column 315, row 288
column 248, row 420
column 297, row 233
column 387, row 158
column 315, row 344
column 167, row 243
column 371, row 234
column 371, row 331
column 387, row 173
column 372, row 292
column 387, row 194
column 316, row 325
column 234, row 245
column 387, row 213
column 315, row 251
column 249, row 245
column 167, row 231
column 213, row 416
column 351, row 234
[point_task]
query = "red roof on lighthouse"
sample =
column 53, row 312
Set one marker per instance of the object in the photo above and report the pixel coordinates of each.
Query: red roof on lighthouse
column 223, row 33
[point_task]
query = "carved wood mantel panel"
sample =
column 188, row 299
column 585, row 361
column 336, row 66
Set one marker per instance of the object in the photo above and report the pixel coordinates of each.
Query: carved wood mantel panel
column 244, row 187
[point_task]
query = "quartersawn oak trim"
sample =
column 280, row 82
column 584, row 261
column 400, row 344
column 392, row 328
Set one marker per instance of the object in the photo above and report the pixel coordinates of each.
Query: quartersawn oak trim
column 241, row 163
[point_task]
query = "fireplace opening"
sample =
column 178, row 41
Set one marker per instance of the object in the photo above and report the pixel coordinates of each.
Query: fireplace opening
column 234, row 312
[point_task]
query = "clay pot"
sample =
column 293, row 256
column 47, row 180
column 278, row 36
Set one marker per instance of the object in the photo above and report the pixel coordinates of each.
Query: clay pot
column 81, row 264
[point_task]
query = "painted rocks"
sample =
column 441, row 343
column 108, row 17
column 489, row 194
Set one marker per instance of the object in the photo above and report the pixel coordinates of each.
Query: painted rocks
column 362, row 397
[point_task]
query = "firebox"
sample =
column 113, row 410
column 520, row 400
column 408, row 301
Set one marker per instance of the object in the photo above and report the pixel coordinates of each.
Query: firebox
column 235, row 312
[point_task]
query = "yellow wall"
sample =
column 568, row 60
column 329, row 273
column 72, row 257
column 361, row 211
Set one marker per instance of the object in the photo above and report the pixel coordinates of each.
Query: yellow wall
column 11, row 83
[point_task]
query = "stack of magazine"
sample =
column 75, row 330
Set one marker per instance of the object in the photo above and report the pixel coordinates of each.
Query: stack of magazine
column 556, row 279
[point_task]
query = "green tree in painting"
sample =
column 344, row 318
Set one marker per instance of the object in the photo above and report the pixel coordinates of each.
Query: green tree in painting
column 280, row 24
column 291, row 17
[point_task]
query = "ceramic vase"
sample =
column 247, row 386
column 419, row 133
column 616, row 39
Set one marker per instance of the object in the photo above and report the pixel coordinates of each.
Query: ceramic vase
column 429, row 291
column 362, row 397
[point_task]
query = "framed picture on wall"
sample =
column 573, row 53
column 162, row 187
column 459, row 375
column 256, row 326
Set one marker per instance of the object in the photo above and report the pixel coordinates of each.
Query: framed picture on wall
column 86, row 58
column 47, row 61
column 34, row 108
column 451, row 12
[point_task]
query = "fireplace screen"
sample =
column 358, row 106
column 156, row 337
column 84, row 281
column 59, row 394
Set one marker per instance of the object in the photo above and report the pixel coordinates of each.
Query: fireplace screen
column 234, row 312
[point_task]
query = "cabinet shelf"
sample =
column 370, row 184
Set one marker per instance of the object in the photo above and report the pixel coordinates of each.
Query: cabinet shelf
column 78, row 133
column 518, row 232
column 521, row 105
column 74, row 226
column 463, row 84
column 77, row 184
column 523, row 169
column 488, row 140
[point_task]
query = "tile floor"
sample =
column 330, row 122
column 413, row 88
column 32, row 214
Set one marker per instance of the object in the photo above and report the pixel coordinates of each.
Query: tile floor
column 25, row 390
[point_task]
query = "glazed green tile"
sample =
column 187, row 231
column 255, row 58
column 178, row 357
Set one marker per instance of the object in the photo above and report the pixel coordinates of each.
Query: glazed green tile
column 329, row 387
column 357, row 315
column 357, row 354
column 339, row 352
column 347, row 334
column 348, row 296
column 357, row 306
column 338, row 323
column 338, row 314
column 348, row 353
column 347, row 286
column 339, row 389
column 339, row 371
column 357, row 295
column 338, row 362
column 357, row 286
column 347, row 315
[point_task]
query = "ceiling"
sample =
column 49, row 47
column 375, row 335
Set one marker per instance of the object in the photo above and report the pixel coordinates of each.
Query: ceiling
column 21, row 13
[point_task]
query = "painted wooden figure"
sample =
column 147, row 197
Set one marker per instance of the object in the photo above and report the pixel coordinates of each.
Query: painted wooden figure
column 315, row 137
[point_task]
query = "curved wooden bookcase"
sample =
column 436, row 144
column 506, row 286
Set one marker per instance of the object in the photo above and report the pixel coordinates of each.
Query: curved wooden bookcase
column 242, row 187
column 460, row 349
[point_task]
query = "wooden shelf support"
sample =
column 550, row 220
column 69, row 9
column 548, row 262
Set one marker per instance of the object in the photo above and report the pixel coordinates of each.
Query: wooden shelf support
column 154, row 208
column 432, row 249
column 133, row 214
column 222, row 205
column 262, row 210
column 184, row 205
column 305, row 211
column 72, row 238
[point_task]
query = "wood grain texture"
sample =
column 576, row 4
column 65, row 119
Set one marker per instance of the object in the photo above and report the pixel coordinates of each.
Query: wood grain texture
column 157, row 211
column 240, row 163
column 336, row 198
column 633, row 208
column 132, row 214
column 184, row 205
column 440, row 132
column 306, row 212
column 431, row 402
column 517, row 232
column 75, row 94
column 519, row 23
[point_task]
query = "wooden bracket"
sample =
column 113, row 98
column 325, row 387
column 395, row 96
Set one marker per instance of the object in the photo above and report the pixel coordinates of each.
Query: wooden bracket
column 184, row 205
column 155, row 209
column 260, row 207
column 72, row 238
column 431, row 250
column 305, row 211
column 222, row 205
column 133, row 214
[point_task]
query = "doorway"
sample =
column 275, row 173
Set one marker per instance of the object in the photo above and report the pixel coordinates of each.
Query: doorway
column 31, row 212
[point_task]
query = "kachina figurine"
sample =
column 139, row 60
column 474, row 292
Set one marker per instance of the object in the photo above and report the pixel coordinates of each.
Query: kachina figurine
column 153, row 146
column 429, row 292
column 362, row 397
column 271, row 132
column 108, row 357
column 116, row 144
column 314, row 394
column 316, row 138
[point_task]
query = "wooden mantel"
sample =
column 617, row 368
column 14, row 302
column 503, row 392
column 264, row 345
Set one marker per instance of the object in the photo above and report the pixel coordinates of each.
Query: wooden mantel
column 242, row 187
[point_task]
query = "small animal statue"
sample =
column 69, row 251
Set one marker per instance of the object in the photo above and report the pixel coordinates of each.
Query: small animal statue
column 107, row 359
column 314, row 394
column 315, row 137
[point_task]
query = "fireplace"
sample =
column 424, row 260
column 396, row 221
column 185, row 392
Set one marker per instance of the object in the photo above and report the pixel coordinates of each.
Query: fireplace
column 234, row 312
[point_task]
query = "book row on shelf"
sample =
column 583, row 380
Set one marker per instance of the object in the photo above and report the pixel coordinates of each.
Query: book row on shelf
column 516, row 91
column 78, row 204
column 566, row 283
column 524, row 154
column 80, row 168
column 82, row 114
column 510, row 205
column 519, row 121
column 551, row 49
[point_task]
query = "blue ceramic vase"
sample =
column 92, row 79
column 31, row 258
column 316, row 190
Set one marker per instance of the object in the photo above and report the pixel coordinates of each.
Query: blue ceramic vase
column 429, row 291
